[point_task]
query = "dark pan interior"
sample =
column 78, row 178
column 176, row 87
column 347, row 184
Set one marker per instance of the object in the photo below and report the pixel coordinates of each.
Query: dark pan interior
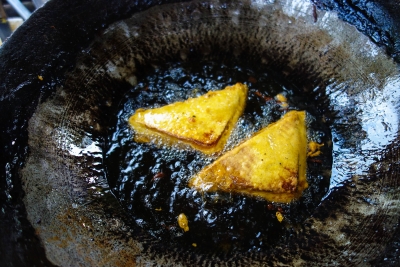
column 60, row 89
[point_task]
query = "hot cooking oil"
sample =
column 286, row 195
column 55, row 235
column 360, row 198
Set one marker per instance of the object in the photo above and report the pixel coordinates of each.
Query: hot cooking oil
column 151, row 181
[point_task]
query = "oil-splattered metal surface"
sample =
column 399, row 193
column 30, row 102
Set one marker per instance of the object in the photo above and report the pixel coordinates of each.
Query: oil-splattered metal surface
column 57, row 152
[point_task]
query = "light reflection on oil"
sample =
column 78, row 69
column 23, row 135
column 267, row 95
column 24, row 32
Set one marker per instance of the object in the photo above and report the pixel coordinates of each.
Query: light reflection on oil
column 379, row 121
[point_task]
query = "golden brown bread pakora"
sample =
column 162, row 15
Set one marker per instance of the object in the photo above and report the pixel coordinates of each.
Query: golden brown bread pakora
column 203, row 123
column 271, row 164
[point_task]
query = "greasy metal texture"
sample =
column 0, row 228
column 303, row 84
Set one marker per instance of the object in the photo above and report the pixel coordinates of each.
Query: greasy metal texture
column 377, row 19
column 66, row 198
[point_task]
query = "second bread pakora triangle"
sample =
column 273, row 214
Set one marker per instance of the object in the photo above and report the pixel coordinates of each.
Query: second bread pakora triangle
column 271, row 164
column 203, row 123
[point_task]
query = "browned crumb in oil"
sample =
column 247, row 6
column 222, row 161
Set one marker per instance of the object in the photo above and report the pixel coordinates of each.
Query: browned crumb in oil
column 183, row 222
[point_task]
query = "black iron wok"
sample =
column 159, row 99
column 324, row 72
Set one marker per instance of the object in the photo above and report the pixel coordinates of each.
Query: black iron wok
column 63, row 74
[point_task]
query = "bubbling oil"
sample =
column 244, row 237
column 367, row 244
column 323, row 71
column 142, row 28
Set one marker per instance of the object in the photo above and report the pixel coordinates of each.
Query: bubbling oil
column 151, row 181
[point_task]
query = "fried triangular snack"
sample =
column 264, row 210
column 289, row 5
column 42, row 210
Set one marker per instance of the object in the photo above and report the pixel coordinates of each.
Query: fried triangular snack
column 271, row 164
column 203, row 123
